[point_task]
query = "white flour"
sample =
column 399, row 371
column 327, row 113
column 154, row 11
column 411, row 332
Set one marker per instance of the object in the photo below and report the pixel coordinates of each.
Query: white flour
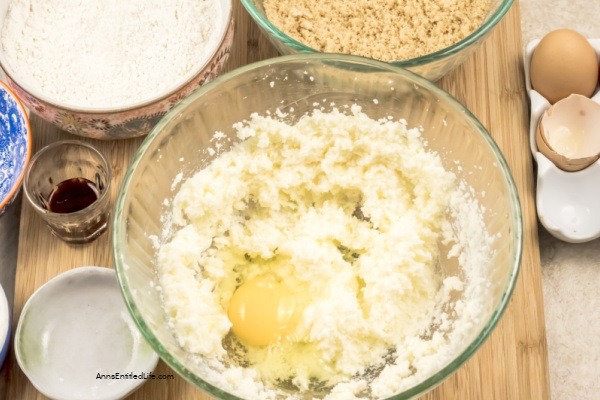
column 108, row 53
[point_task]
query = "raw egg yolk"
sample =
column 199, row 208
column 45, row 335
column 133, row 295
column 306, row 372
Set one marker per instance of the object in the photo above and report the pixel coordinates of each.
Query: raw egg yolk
column 262, row 311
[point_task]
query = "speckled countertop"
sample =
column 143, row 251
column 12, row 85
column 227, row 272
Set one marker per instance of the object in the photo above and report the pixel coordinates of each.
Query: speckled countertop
column 571, row 272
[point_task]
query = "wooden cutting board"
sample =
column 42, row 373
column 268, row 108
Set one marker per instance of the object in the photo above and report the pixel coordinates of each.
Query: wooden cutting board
column 512, row 364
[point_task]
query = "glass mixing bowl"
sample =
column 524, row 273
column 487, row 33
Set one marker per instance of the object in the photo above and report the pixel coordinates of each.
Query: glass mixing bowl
column 177, row 148
column 432, row 66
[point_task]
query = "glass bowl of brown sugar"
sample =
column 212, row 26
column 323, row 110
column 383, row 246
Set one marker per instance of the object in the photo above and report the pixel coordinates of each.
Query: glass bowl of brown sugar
column 429, row 38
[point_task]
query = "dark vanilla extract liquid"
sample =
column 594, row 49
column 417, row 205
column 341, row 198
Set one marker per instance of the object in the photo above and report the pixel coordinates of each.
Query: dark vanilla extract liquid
column 72, row 195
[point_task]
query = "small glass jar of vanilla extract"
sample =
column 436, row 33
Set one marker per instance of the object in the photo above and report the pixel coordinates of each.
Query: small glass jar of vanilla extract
column 68, row 184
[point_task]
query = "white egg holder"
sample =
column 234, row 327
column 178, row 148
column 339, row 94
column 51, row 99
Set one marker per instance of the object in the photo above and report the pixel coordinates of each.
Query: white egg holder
column 568, row 203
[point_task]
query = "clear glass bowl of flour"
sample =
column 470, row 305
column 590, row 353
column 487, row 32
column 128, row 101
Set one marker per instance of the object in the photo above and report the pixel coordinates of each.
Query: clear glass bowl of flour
column 432, row 66
column 178, row 147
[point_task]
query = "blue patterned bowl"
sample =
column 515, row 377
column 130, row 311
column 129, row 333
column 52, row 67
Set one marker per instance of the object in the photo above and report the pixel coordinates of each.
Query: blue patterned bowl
column 15, row 145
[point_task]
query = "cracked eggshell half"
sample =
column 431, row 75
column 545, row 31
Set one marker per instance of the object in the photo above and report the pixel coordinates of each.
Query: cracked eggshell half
column 568, row 133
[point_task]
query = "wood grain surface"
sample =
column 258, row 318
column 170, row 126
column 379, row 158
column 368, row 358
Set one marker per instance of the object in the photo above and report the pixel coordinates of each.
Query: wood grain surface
column 511, row 365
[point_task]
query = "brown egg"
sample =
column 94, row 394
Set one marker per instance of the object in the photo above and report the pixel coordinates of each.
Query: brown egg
column 564, row 63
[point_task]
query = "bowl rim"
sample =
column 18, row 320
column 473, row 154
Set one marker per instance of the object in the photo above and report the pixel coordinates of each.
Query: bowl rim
column 34, row 92
column 86, row 272
column 4, row 318
column 119, row 224
column 273, row 31
column 12, row 193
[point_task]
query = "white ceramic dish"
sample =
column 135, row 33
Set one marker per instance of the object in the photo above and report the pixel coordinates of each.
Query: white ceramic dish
column 567, row 202
column 75, row 327
column 4, row 326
